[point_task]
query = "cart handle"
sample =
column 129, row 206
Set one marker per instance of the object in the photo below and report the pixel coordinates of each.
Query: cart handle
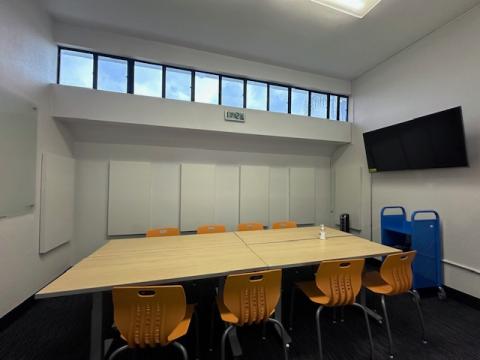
column 415, row 213
column 394, row 207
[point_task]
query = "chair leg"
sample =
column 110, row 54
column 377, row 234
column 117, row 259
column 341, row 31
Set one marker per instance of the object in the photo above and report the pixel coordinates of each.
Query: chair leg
column 319, row 333
column 182, row 349
column 282, row 333
column 224, row 340
column 369, row 331
column 118, row 351
column 197, row 336
column 387, row 325
column 416, row 298
column 212, row 328
column 292, row 307
column 264, row 331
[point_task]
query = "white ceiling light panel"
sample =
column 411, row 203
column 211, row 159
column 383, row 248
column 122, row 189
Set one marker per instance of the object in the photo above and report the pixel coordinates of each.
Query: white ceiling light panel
column 357, row 8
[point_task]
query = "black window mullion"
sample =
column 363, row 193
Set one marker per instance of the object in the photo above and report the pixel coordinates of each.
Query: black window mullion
column 309, row 103
column 338, row 108
column 244, row 93
column 59, row 60
column 164, row 81
column 220, row 79
column 95, row 71
column 192, row 85
column 130, row 76
column 268, row 97
column 289, row 110
column 328, row 106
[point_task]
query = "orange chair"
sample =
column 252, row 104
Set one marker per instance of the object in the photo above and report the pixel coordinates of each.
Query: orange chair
column 250, row 226
column 248, row 299
column 284, row 224
column 151, row 316
column 337, row 283
column 395, row 278
column 211, row 229
column 163, row 232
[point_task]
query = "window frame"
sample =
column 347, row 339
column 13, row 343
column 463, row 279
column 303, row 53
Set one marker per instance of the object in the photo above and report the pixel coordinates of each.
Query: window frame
column 131, row 83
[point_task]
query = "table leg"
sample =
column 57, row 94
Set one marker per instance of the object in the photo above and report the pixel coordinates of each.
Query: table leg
column 370, row 312
column 96, row 327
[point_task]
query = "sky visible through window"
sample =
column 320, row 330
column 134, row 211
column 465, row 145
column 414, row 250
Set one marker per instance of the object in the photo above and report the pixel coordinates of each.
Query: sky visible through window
column 319, row 103
column 206, row 88
column 256, row 95
column 178, row 84
column 278, row 99
column 112, row 74
column 343, row 109
column 232, row 92
column 333, row 107
column 76, row 69
column 299, row 102
column 148, row 79
column 79, row 68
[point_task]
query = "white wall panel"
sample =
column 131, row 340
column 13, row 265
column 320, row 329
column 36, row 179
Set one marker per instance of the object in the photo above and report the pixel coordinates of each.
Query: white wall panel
column 348, row 194
column 57, row 201
column 302, row 195
column 197, row 196
column 254, row 181
column 323, row 196
column 227, row 196
column 165, row 196
column 279, row 194
column 129, row 197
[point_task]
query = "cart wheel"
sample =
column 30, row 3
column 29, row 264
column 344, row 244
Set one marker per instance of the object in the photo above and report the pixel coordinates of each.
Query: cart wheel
column 442, row 295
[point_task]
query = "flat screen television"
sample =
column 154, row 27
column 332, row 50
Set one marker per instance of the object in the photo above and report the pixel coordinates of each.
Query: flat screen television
column 432, row 141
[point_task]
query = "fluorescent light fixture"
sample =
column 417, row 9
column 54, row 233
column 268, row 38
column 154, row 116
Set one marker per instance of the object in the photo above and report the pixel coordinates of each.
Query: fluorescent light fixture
column 357, row 8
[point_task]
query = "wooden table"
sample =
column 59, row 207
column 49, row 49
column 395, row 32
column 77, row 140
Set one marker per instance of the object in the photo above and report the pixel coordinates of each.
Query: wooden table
column 312, row 251
column 188, row 257
column 280, row 235
column 156, row 261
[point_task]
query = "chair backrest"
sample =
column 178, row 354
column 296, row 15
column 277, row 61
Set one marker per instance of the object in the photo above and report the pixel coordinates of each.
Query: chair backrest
column 146, row 316
column 284, row 224
column 252, row 297
column 340, row 280
column 396, row 271
column 211, row 229
column 163, row 232
column 249, row 226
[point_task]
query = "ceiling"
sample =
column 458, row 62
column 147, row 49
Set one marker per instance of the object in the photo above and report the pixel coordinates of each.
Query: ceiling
column 298, row 34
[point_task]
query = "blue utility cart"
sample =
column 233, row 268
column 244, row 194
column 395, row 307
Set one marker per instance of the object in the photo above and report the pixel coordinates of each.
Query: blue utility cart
column 421, row 233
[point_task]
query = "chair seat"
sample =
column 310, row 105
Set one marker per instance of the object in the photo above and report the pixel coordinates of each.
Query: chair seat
column 374, row 282
column 310, row 289
column 183, row 325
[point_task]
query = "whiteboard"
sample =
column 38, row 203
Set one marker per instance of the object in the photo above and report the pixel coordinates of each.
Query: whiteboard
column 227, row 194
column 165, row 195
column 278, row 194
column 254, row 194
column 302, row 195
column 348, row 194
column 57, row 201
column 197, row 199
column 129, row 197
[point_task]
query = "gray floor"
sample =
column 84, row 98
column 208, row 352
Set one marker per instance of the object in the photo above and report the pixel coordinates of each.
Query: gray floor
column 59, row 329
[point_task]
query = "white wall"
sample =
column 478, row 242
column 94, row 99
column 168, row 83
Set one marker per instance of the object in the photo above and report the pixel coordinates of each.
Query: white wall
column 27, row 66
column 436, row 73
column 111, row 43
column 92, row 179
column 86, row 104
